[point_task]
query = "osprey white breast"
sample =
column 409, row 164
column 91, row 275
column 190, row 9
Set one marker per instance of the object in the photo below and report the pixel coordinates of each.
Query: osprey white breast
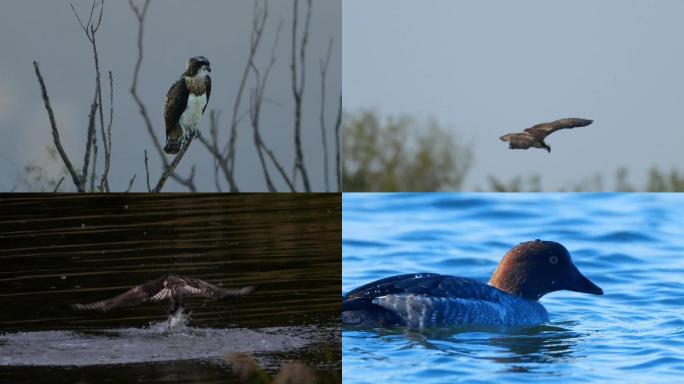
column 193, row 112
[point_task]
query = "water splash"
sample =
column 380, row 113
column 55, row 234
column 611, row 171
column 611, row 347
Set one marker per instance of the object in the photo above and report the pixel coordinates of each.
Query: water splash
column 157, row 342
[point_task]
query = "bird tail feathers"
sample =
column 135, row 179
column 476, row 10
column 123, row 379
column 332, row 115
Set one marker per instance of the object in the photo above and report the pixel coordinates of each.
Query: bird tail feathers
column 172, row 146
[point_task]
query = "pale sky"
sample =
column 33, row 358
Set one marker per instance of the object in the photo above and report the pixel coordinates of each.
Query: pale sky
column 175, row 30
column 489, row 67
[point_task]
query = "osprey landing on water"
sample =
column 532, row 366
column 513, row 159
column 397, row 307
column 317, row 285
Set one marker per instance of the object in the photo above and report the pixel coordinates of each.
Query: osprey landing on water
column 185, row 103
column 168, row 287
column 534, row 136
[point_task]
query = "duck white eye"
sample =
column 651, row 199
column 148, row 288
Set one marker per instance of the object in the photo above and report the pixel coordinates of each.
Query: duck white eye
column 553, row 259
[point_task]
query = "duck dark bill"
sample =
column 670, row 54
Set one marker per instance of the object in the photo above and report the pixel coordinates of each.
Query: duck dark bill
column 582, row 284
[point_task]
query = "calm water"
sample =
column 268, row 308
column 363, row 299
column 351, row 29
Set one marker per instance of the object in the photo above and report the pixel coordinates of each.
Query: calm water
column 631, row 245
column 65, row 249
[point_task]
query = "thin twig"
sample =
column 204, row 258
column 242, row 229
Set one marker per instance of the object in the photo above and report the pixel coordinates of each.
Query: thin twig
column 256, row 110
column 147, row 173
column 324, row 71
column 59, row 183
column 281, row 170
column 213, row 132
column 93, row 169
column 130, row 184
column 338, row 123
column 55, row 133
column 217, row 183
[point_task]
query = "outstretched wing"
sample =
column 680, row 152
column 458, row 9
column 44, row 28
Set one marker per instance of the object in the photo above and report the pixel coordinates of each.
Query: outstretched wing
column 544, row 129
column 133, row 296
column 176, row 102
column 518, row 140
column 200, row 288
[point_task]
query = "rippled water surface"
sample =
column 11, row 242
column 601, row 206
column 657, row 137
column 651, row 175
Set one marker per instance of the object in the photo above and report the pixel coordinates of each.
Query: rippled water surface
column 59, row 250
column 631, row 245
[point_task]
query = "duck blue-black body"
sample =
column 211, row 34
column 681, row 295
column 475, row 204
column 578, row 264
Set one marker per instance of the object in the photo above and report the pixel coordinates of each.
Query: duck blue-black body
column 526, row 273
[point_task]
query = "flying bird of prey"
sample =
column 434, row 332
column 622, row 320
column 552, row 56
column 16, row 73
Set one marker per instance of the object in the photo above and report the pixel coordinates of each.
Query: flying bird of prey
column 534, row 136
column 185, row 103
column 168, row 287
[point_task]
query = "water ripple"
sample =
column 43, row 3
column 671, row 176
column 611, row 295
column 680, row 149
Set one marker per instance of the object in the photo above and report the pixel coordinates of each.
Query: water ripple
column 630, row 244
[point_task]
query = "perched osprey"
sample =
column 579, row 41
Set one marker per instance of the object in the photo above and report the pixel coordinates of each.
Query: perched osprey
column 185, row 103
column 534, row 136
column 170, row 287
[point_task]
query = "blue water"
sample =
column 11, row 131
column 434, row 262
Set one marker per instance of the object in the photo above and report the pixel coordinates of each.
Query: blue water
column 631, row 245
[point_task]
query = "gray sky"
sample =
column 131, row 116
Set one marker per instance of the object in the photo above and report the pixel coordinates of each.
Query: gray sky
column 175, row 30
column 486, row 68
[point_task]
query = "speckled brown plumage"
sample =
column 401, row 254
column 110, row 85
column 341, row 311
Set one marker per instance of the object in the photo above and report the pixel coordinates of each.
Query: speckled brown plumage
column 168, row 287
column 535, row 135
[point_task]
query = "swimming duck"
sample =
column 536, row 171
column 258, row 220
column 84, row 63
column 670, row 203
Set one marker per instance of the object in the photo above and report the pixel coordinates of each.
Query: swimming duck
column 526, row 273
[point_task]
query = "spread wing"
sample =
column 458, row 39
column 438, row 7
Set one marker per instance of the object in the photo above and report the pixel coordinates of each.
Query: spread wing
column 200, row 288
column 430, row 284
column 544, row 129
column 176, row 102
column 208, row 85
column 519, row 140
column 134, row 296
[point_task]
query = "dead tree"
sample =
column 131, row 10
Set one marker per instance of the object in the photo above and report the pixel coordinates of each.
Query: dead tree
column 253, row 85
column 90, row 28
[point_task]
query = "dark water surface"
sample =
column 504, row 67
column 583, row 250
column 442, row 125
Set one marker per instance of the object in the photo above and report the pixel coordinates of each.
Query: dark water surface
column 631, row 245
column 58, row 250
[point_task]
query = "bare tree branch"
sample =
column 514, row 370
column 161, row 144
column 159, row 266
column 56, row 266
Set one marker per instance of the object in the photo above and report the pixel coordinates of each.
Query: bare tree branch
column 258, row 23
column 298, row 87
column 338, row 123
column 280, row 168
column 55, row 133
column 130, row 184
column 90, row 29
column 171, row 168
column 213, row 132
column 224, row 159
column 93, row 169
column 89, row 143
column 256, row 110
column 324, row 72
column 147, row 173
column 104, row 182
column 59, row 183
column 186, row 182
column 256, row 102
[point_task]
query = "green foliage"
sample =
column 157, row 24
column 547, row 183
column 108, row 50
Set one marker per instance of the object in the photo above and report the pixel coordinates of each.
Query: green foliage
column 663, row 182
column 400, row 154
column 517, row 184
column 658, row 181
